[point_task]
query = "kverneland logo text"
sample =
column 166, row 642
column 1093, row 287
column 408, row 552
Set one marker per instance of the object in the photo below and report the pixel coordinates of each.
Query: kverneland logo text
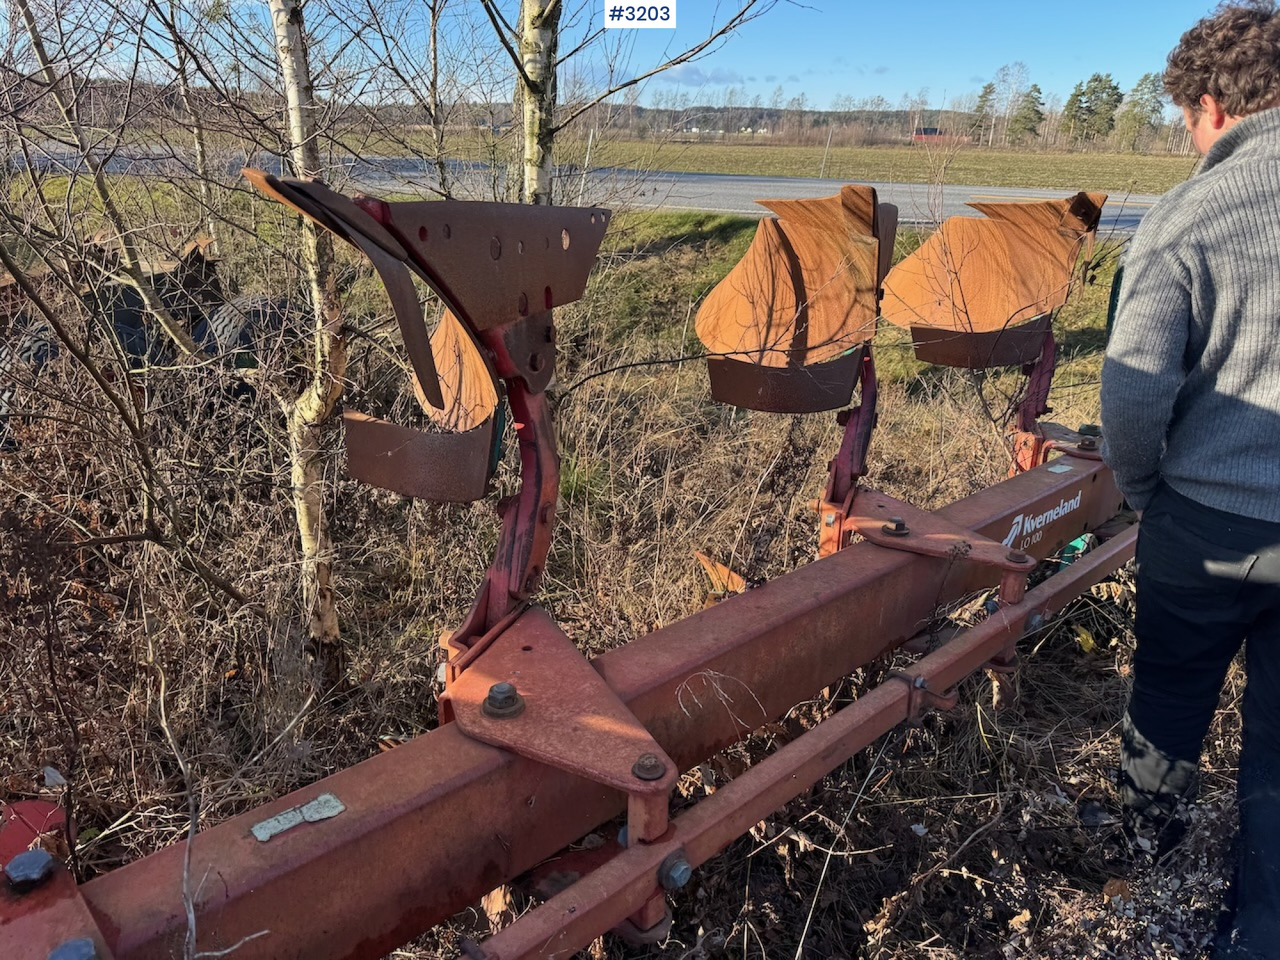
column 1026, row 524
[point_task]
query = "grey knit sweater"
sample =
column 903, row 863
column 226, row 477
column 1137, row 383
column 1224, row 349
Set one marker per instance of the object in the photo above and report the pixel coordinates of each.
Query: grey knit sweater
column 1191, row 382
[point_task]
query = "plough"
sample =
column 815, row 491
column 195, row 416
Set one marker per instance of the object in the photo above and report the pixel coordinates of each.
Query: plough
column 537, row 745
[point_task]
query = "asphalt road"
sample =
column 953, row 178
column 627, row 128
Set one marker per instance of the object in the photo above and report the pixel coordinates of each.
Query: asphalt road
column 917, row 203
column 730, row 193
column 620, row 188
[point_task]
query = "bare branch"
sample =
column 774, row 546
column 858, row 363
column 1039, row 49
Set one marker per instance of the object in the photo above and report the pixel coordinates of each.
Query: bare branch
column 498, row 27
column 751, row 10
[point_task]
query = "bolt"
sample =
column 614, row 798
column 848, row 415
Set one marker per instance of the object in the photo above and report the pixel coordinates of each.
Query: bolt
column 1089, row 430
column 829, row 519
column 649, row 767
column 81, row 948
column 675, row 872
column 28, row 870
column 896, row 527
column 1016, row 556
column 1088, row 443
column 503, row 701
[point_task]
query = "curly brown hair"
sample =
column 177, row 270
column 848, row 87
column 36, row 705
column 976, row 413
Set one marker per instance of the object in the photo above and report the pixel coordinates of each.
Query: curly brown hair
column 1233, row 55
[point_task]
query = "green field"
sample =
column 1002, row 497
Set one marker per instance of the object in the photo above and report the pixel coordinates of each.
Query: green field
column 1115, row 173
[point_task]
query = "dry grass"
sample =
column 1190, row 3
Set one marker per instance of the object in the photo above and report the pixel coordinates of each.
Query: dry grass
column 962, row 838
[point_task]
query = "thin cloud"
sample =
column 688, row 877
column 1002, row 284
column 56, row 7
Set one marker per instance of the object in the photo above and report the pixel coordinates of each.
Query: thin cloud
column 692, row 75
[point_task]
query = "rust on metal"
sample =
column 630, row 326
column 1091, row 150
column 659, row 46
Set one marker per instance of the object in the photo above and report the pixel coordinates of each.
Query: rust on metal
column 897, row 525
column 35, row 923
column 789, row 389
column 495, row 263
column 986, row 276
column 466, row 382
column 781, row 329
column 571, row 719
column 443, row 467
column 725, row 581
column 599, row 900
column 978, row 350
column 434, row 824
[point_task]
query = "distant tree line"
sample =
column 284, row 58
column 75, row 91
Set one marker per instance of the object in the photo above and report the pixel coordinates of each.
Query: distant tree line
column 1007, row 112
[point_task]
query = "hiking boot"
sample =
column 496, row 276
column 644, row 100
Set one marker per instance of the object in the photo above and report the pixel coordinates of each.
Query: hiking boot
column 1155, row 790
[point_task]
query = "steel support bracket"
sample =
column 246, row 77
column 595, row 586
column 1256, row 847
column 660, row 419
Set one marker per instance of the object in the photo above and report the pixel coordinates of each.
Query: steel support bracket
column 571, row 720
column 37, row 922
column 896, row 525
column 920, row 698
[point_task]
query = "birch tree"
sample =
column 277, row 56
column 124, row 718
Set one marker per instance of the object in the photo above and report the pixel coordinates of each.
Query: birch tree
column 308, row 412
column 533, row 47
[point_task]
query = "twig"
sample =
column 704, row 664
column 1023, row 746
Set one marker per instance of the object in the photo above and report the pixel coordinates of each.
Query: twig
column 813, row 906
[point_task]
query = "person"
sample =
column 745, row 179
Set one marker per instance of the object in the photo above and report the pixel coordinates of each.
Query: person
column 1191, row 424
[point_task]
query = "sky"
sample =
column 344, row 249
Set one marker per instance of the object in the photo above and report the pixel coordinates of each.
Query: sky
column 867, row 48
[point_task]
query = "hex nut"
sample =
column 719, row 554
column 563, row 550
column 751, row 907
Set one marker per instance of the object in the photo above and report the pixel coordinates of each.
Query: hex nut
column 81, row 948
column 28, row 870
column 649, row 767
column 503, row 701
column 675, row 872
column 896, row 527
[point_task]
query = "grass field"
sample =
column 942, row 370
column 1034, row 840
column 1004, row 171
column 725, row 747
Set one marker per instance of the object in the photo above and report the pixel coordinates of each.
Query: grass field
column 1116, row 173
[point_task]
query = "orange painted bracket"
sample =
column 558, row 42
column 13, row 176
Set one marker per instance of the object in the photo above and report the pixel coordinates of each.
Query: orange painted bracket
column 567, row 716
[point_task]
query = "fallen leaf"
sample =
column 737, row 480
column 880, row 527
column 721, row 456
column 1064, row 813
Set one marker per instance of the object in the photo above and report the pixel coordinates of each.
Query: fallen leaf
column 1085, row 639
column 1019, row 923
column 1116, row 887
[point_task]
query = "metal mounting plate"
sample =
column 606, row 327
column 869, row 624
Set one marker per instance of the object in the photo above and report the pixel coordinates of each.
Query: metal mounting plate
column 572, row 719
column 443, row 467
column 927, row 533
column 980, row 349
column 791, row 389
column 497, row 262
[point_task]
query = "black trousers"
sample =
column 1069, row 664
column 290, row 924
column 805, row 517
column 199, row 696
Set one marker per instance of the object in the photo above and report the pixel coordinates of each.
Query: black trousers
column 1208, row 582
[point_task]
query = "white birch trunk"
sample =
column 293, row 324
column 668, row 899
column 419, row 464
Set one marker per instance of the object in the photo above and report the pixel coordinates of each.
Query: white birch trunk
column 309, row 412
column 539, row 43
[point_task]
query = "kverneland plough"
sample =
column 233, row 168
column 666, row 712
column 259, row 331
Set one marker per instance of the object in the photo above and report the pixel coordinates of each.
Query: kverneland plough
column 539, row 746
